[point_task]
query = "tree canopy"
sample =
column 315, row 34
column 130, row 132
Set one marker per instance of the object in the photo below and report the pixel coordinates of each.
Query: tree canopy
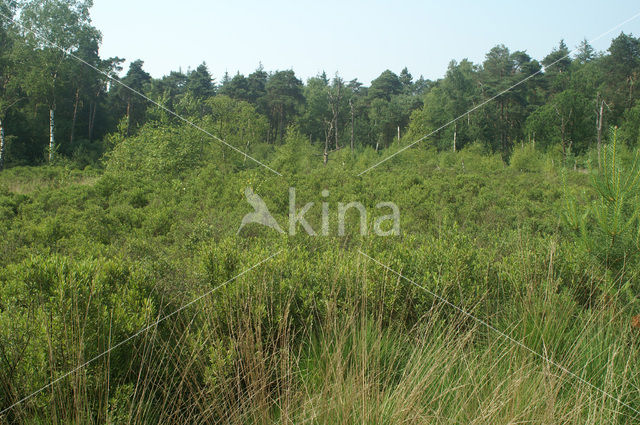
column 565, row 94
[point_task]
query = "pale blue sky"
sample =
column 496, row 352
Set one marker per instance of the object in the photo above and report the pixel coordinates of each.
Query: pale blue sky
column 357, row 38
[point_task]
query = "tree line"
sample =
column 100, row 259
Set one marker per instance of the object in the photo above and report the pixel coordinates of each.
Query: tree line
column 53, row 104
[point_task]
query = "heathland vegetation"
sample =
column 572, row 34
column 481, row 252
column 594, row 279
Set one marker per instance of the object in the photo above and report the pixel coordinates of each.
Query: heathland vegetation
column 127, row 294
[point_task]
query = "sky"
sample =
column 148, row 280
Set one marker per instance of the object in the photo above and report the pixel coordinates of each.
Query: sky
column 358, row 39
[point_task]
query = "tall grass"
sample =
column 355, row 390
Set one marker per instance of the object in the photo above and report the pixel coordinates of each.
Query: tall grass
column 241, row 357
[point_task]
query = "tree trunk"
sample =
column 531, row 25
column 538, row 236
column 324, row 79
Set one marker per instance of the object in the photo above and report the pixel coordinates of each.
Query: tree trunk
column 52, row 108
column 327, row 137
column 92, row 119
column 52, row 143
column 455, row 135
column 563, row 132
column 334, row 101
column 562, row 143
column 325, row 155
column 281, row 124
column 89, row 120
column 398, row 133
column 75, row 115
column 246, row 148
column 352, row 123
column 533, row 140
column 336, row 131
column 503, row 136
column 1, row 145
column 129, row 117
column 599, row 124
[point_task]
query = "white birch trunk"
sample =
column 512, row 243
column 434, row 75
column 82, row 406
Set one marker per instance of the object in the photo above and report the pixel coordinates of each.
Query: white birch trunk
column 1, row 145
column 455, row 136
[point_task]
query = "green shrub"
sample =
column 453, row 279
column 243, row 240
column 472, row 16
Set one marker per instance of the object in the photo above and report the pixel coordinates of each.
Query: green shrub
column 526, row 158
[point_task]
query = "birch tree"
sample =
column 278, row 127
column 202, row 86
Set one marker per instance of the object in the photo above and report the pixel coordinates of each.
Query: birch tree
column 9, row 87
column 53, row 28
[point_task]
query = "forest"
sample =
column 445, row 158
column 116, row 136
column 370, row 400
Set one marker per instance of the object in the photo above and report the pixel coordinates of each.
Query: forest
column 55, row 103
column 130, row 293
